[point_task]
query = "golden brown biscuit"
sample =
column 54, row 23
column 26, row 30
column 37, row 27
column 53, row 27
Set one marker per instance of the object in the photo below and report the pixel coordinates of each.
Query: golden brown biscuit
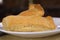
column 28, row 23
column 34, row 9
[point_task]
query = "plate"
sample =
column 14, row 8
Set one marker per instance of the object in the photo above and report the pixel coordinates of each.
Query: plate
column 35, row 34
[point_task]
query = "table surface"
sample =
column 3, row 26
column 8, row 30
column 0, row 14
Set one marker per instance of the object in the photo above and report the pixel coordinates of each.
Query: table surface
column 11, row 37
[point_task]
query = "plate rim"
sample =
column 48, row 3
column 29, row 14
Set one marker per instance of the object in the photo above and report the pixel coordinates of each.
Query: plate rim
column 58, row 30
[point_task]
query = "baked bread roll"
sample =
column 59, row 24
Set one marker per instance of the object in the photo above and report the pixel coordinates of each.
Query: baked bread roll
column 34, row 9
column 28, row 23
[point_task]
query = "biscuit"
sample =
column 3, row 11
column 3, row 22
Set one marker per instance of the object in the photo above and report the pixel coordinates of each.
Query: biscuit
column 28, row 23
column 34, row 10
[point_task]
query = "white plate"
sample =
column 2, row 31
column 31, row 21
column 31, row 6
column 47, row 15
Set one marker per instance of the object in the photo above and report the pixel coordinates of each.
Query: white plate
column 35, row 34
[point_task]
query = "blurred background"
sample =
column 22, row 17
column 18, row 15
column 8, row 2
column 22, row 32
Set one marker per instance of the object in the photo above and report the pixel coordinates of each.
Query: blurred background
column 14, row 7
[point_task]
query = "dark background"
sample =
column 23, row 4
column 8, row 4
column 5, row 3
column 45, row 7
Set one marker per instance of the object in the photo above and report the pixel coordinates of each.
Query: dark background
column 14, row 7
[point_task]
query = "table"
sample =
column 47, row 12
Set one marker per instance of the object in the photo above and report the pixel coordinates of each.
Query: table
column 11, row 37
